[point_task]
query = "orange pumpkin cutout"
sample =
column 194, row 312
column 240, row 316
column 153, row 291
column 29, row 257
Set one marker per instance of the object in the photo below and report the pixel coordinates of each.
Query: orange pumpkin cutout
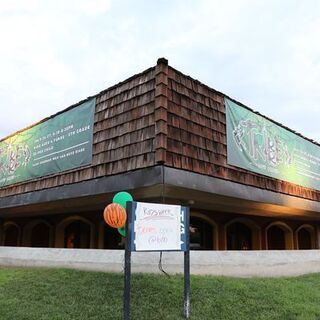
column 115, row 215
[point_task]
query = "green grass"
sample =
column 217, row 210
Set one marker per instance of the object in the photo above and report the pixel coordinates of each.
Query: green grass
column 67, row 294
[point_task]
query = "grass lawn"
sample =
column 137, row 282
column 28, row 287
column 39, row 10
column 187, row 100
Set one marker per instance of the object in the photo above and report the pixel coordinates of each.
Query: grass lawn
column 67, row 294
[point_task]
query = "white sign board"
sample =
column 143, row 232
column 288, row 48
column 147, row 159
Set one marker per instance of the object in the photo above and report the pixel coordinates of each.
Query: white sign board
column 158, row 227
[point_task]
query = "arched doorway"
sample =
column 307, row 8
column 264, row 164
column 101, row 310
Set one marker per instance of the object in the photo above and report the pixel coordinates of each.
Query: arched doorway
column 279, row 236
column 305, row 236
column 203, row 232
column 11, row 234
column 75, row 232
column 276, row 238
column 239, row 237
column 242, row 234
column 40, row 236
column 112, row 238
column 38, row 233
column 77, row 235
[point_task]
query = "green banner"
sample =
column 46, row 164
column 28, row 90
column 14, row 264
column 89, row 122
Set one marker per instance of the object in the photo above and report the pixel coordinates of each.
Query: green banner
column 259, row 145
column 61, row 143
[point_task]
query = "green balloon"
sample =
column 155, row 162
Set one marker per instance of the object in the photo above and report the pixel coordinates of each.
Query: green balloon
column 122, row 231
column 122, row 198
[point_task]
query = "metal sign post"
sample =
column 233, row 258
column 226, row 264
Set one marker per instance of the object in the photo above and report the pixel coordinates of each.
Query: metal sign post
column 127, row 265
column 178, row 220
column 186, row 305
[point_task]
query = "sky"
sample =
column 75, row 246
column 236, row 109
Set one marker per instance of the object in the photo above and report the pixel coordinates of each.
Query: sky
column 263, row 53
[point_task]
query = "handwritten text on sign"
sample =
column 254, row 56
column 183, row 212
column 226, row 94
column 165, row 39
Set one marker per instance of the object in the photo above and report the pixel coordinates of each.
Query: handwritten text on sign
column 158, row 227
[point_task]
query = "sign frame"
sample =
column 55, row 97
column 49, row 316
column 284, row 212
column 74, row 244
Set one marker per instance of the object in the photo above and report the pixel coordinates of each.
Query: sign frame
column 181, row 224
column 127, row 267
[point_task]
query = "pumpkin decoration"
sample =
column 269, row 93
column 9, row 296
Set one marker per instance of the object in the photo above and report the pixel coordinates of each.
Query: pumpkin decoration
column 115, row 215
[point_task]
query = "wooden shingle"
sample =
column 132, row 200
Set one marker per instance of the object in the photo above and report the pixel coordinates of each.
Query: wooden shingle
column 160, row 116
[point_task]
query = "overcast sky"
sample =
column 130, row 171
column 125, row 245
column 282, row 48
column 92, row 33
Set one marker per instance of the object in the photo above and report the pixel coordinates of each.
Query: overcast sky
column 263, row 53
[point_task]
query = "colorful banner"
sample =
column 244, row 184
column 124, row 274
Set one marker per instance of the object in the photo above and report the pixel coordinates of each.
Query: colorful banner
column 259, row 145
column 61, row 143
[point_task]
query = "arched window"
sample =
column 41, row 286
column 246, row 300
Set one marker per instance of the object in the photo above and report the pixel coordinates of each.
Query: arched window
column 242, row 234
column 201, row 234
column 276, row 238
column 77, row 235
column 112, row 238
column 75, row 232
column 239, row 237
column 279, row 236
column 40, row 236
column 305, row 236
column 37, row 233
column 11, row 235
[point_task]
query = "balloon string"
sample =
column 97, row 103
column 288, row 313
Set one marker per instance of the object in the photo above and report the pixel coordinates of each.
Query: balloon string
column 160, row 266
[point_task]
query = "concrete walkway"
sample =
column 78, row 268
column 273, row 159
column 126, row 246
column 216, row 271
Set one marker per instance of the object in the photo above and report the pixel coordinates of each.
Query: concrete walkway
column 226, row 263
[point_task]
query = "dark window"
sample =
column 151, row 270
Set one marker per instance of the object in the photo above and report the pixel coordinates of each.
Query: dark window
column 40, row 236
column 239, row 237
column 112, row 238
column 201, row 234
column 11, row 235
column 304, row 239
column 77, row 235
column 276, row 238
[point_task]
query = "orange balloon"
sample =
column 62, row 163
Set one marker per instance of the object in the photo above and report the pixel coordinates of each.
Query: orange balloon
column 115, row 215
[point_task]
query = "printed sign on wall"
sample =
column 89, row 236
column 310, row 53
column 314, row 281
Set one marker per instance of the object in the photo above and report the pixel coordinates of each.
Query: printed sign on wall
column 158, row 227
column 259, row 145
column 61, row 143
